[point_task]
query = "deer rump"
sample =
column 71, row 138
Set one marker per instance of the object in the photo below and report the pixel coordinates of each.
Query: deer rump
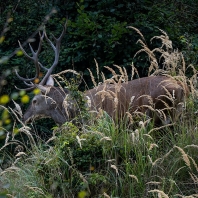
column 158, row 97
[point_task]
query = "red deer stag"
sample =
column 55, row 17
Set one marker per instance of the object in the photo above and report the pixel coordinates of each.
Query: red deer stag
column 164, row 94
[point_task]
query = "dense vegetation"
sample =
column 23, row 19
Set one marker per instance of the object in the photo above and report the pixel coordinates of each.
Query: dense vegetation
column 98, row 30
column 104, row 158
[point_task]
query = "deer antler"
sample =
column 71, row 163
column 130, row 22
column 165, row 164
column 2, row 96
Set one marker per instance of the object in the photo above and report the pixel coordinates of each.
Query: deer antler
column 56, row 51
column 38, row 66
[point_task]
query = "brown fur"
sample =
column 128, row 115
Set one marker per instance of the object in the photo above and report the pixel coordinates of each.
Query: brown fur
column 154, row 92
column 155, row 88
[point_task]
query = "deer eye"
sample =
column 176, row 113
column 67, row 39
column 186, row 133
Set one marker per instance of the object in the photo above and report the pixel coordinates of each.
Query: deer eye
column 34, row 101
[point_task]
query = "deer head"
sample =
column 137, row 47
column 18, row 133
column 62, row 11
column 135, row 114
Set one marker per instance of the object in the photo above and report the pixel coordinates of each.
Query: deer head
column 158, row 97
column 49, row 102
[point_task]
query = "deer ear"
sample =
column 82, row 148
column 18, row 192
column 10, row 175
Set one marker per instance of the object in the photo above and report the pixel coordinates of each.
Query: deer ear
column 42, row 88
column 50, row 81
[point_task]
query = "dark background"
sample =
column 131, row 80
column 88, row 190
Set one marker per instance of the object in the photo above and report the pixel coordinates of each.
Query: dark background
column 96, row 29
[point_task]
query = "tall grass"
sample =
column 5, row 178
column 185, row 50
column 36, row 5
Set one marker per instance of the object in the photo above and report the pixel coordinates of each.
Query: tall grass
column 110, row 158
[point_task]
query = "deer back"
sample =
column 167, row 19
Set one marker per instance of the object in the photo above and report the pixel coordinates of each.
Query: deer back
column 137, row 95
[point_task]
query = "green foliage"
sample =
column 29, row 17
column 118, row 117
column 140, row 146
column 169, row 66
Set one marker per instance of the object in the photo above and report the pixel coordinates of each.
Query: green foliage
column 77, row 96
column 96, row 30
column 82, row 150
column 104, row 159
column 107, row 159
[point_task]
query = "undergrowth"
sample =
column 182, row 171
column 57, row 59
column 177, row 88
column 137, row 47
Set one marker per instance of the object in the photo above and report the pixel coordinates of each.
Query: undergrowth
column 108, row 158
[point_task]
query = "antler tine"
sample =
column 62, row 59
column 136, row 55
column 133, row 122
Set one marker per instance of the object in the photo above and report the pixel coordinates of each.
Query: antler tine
column 34, row 58
column 45, row 68
column 56, row 51
column 30, row 85
column 26, row 89
column 38, row 65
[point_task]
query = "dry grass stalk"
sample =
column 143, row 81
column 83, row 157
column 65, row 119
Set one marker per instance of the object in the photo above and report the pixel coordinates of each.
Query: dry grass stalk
column 97, row 68
column 138, row 113
column 134, row 177
column 115, row 168
column 118, row 86
column 148, row 107
column 183, row 196
column 161, row 114
column 158, row 128
column 151, row 161
column 150, row 100
column 160, row 72
column 111, row 160
column 125, row 75
column 11, row 169
column 147, row 135
column 183, row 64
column 193, row 88
column 190, row 196
column 110, row 81
column 16, row 116
column 103, row 77
column 184, row 156
column 154, row 64
column 192, row 146
column 194, row 177
column 115, row 102
column 112, row 71
column 104, row 94
column 64, row 72
column 114, row 94
column 169, row 95
column 7, row 144
column 141, row 125
column 58, row 82
column 165, row 40
column 105, row 195
column 138, row 31
column 129, row 116
column 155, row 162
column 96, row 132
column 66, row 104
column 180, row 169
column 131, row 100
column 26, row 130
column 120, row 70
column 171, row 61
column 133, row 137
column 18, row 109
column 100, row 113
column 167, row 154
column 35, row 189
column 106, row 138
column 123, row 72
column 20, row 154
column 152, row 146
column 11, row 196
column 133, row 71
column 85, row 181
column 194, row 163
column 160, row 193
column 153, row 183
column 92, row 77
column 7, row 136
